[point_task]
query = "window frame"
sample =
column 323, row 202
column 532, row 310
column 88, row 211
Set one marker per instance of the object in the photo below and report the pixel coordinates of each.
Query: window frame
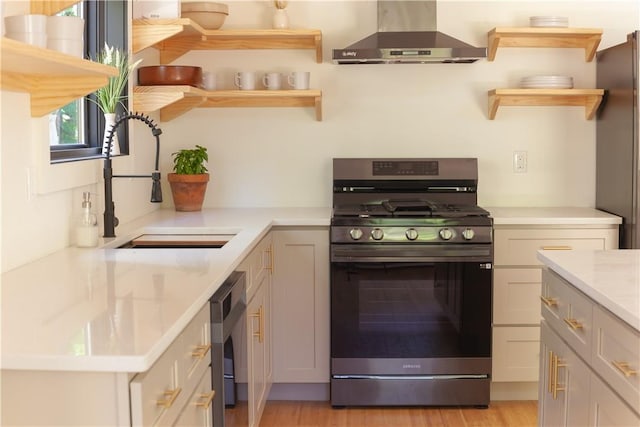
column 106, row 21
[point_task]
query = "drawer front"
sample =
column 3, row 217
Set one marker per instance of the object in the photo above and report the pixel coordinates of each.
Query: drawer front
column 518, row 247
column 616, row 355
column 195, row 348
column 568, row 312
column 258, row 263
column 516, row 296
column 158, row 394
column 516, row 353
column 197, row 411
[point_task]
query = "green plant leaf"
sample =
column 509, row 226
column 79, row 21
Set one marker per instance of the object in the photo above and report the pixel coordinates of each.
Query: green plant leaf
column 190, row 161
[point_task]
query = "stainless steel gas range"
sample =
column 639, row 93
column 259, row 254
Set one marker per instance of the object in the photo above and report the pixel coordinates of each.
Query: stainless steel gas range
column 411, row 261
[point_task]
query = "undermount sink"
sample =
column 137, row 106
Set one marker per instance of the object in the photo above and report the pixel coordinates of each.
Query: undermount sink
column 180, row 241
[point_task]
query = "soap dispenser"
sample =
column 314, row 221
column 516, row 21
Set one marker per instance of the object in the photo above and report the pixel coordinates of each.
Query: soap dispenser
column 87, row 227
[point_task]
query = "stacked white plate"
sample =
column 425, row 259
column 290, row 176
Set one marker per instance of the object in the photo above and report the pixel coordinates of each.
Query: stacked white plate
column 546, row 82
column 549, row 21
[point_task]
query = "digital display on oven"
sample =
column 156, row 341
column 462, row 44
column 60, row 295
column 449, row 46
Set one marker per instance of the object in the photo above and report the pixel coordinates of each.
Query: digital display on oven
column 405, row 167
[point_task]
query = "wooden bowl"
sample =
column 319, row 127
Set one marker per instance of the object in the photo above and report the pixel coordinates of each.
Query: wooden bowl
column 172, row 75
column 208, row 15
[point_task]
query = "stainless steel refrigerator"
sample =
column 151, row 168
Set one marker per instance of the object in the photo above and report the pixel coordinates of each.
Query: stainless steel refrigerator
column 617, row 149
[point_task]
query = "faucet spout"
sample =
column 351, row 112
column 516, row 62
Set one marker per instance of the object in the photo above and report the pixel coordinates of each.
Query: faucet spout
column 110, row 219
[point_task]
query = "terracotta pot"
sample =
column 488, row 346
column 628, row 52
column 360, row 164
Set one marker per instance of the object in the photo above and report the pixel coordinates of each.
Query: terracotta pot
column 188, row 191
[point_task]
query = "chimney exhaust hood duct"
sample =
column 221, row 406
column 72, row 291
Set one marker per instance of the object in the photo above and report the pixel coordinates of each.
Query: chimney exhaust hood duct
column 407, row 35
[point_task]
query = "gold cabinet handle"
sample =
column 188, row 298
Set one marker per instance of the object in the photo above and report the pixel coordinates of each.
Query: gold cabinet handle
column 260, row 315
column 550, row 374
column 623, row 367
column 269, row 250
column 548, row 301
column 170, row 397
column 557, row 248
column 208, row 398
column 573, row 323
column 201, row 351
column 556, row 387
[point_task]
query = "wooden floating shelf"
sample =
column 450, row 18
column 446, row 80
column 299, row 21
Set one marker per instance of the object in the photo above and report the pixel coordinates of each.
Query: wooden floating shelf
column 174, row 101
column 50, row 7
column 589, row 98
column 175, row 37
column 585, row 38
column 53, row 79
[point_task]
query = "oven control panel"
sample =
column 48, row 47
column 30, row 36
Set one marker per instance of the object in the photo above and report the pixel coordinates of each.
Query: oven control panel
column 395, row 234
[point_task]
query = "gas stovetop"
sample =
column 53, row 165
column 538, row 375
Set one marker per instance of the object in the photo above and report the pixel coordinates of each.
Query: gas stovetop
column 408, row 201
column 408, row 208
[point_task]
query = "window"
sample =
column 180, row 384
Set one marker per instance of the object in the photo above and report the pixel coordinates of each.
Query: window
column 75, row 130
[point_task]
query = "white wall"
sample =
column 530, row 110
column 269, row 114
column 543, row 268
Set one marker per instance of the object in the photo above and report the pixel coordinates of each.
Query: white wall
column 282, row 156
column 277, row 156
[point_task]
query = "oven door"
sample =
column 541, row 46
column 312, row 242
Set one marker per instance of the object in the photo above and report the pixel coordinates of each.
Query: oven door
column 422, row 313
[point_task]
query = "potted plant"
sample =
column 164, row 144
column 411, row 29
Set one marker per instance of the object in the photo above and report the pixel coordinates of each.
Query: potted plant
column 109, row 96
column 189, row 180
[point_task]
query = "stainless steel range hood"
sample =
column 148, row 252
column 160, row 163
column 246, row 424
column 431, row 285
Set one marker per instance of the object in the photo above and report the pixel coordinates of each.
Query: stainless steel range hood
column 407, row 35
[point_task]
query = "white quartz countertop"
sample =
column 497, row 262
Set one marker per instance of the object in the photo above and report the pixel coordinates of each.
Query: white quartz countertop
column 117, row 310
column 611, row 278
column 551, row 216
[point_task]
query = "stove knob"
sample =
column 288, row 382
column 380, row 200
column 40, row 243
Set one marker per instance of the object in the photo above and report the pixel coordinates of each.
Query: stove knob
column 412, row 234
column 377, row 234
column 446, row 234
column 468, row 234
column 355, row 233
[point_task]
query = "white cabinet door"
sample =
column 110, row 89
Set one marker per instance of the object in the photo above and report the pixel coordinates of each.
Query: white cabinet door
column 565, row 383
column 607, row 409
column 258, row 350
column 301, row 306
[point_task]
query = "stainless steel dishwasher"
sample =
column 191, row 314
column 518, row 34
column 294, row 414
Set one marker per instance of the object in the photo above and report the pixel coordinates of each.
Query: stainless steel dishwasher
column 228, row 305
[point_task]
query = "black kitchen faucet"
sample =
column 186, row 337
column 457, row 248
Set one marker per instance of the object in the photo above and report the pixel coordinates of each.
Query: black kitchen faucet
column 110, row 220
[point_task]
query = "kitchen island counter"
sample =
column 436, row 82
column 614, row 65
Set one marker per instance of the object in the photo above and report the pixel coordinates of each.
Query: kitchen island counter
column 610, row 278
column 117, row 310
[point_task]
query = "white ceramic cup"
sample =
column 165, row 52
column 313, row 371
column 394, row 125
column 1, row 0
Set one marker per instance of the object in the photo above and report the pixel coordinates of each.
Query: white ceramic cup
column 69, row 46
column 209, row 80
column 299, row 79
column 245, row 80
column 65, row 27
column 272, row 81
column 35, row 39
column 25, row 24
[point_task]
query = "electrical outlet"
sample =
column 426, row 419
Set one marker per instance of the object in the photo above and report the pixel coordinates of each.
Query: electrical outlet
column 520, row 161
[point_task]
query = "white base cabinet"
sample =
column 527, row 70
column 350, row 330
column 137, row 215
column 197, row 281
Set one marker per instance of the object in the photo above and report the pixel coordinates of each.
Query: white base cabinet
column 301, row 305
column 161, row 396
column 586, row 354
column 517, row 290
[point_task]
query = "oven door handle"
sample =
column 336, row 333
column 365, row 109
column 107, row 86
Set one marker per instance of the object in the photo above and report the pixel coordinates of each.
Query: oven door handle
column 412, row 253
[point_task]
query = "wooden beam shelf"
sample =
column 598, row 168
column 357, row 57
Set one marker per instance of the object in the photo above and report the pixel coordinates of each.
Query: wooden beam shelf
column 588, row 98
column 174, row 101
column 175, row 37
column 52, row 79
column 584, row 38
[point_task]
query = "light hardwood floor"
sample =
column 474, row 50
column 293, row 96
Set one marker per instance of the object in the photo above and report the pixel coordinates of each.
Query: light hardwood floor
column 321, row 414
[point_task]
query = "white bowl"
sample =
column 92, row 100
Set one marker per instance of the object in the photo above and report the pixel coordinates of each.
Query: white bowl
column 71, row 47
column 65, row 27
column 25, row 24
column 208, row 15
column 36, row 39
